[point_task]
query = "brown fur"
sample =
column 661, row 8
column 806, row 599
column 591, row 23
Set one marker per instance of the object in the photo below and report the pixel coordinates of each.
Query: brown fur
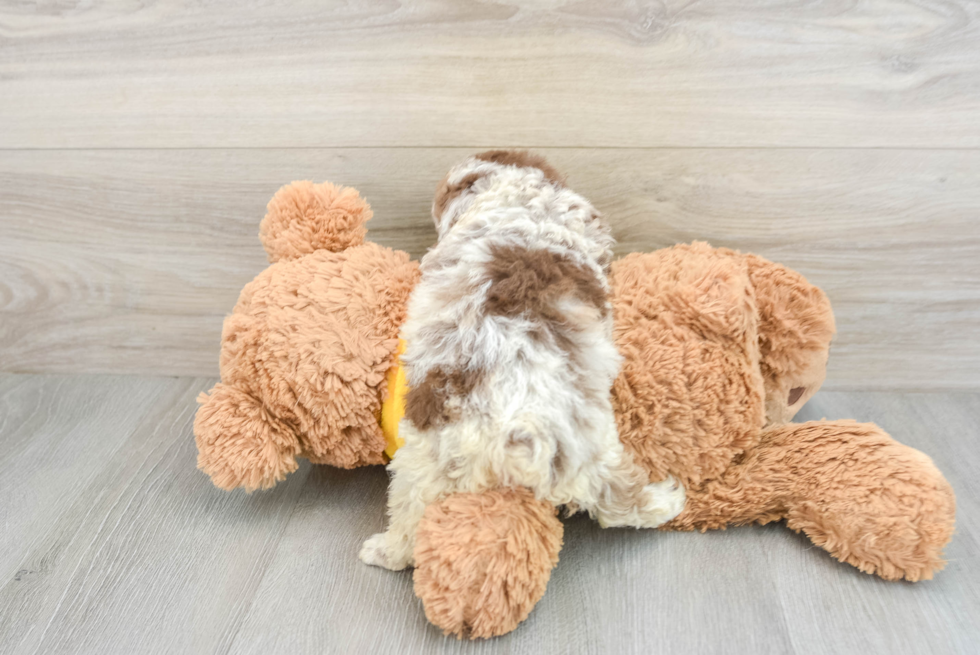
column 689, row 397
column 483, row 560
column 886, row 511
column 796, row 325
column 304, row 217
column 531, row 282
column 714, row 342
column 523, row 159
column 305, row 351
column 428, row 405
column 865, row 498
column 446, row 193
column 705, row 335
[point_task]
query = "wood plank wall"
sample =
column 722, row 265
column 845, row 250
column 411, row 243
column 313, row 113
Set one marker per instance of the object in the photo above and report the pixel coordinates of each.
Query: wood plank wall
column 139, row 143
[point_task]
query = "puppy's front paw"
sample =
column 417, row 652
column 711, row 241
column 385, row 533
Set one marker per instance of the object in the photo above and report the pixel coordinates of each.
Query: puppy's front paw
column 374, row 552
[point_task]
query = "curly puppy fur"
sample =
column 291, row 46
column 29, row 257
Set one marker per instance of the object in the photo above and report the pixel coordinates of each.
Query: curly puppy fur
column 510, row 358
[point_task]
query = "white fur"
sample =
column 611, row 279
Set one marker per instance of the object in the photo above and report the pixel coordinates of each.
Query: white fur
column 535, row 401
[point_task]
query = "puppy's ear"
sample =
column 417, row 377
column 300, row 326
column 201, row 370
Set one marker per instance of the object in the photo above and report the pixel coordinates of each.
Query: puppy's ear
column 446, row 193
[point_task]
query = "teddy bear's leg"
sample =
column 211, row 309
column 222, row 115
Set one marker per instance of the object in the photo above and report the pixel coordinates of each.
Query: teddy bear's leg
column 482, row 561
column 868, row 500
column 856, row 492
column 240, row 443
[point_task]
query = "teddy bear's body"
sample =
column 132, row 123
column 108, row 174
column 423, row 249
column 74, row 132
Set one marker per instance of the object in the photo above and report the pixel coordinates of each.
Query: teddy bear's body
column 719, row 349
column 720, row 352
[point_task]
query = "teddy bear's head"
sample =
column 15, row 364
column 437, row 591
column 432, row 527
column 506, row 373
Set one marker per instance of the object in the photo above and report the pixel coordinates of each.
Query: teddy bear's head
column 305, row 353
column 796, row 326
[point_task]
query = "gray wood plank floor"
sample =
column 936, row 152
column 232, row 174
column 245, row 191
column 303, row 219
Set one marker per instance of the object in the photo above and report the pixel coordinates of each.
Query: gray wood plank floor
column 112, row 542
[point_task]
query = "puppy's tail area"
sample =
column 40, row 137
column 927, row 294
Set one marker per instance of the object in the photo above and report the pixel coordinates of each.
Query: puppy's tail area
column 482, row 561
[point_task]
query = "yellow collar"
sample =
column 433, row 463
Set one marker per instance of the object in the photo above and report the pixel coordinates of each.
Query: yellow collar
column 393, row 407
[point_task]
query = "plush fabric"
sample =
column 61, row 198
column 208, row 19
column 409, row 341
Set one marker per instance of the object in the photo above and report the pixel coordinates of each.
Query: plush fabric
column 305, row 352
column 484, row 560
column 853, row 490
column 719, row 351
column 690, row 395
column 304, row 217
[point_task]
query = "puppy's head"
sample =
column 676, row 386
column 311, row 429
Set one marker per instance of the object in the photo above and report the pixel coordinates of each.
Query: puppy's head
column 474, row 175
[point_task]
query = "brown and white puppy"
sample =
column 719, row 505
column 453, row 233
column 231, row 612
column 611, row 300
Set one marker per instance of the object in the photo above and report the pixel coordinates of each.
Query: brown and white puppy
column 510, row 358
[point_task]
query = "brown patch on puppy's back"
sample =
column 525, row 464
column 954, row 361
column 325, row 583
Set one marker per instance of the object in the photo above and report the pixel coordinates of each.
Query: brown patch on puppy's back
column 533, row 281
column 426, row 404
column 523, row 159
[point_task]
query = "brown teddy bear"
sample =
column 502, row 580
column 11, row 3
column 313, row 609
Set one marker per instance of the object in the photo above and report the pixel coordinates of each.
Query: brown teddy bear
column 305, row 352
column 720, row 351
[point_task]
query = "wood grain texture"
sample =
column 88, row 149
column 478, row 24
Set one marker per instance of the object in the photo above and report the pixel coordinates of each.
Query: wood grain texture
column 143, row 555
column 139, row 144
column 446, row 73
column 45, row 427
column 128, row 260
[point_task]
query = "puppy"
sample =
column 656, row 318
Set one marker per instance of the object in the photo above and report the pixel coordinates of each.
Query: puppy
column 510, row 358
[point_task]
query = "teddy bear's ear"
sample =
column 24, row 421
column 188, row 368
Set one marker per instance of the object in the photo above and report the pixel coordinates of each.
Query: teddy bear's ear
column 796, row 326
column 303, row 217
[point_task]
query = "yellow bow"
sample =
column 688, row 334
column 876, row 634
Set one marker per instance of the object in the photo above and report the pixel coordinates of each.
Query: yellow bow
column 393, row 407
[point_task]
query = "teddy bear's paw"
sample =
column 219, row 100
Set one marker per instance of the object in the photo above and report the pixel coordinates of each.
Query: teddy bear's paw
column 240, row 443
column 665, row 500
column 375, row 552
column 483, row 560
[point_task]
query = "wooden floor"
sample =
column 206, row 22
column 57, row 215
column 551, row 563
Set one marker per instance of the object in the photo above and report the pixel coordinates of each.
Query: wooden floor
column 112, row 542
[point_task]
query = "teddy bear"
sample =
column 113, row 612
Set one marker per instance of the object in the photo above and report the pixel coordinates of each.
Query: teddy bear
column 720, row 350
column 306, row 351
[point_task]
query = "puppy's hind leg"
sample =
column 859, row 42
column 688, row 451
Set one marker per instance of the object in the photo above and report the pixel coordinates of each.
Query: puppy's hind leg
column 409, row 493
column 627, row 499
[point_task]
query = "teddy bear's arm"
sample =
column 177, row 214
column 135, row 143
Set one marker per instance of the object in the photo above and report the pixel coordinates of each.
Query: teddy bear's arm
column 240, row 443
